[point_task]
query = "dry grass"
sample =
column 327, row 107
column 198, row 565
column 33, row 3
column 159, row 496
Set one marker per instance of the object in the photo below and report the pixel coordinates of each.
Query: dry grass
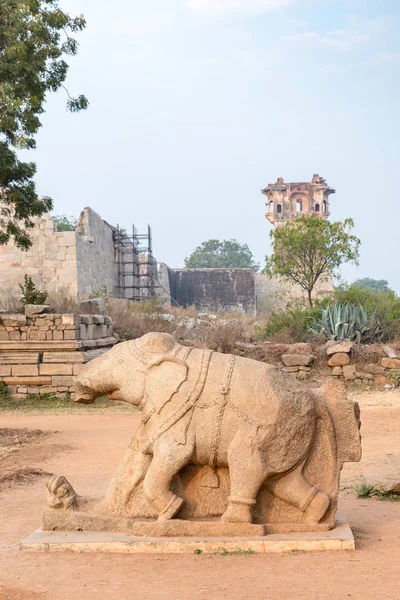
column 130, row 324
column 61, row 302
column 367, row 354
column 10, row 302
column 222, row 337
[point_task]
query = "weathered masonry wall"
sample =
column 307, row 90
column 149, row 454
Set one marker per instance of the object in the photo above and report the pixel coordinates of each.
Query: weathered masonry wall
column 74, row 263
column 51, row 261
column 96, row 264
column 214, row 289
column 228, row 290
column 44, row 354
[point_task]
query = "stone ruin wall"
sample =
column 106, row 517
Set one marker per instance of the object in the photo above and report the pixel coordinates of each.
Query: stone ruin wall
column 78, row 264
column 71, row 263
column 226, row 290
column 44, row 354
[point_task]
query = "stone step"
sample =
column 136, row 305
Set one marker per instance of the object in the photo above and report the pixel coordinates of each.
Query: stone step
column 63, row 357
column 39, row 346
column 27, row 381
column 24, row 358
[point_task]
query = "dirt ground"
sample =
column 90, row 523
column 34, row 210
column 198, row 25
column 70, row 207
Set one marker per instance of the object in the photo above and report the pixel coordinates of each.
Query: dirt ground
column 87, row 448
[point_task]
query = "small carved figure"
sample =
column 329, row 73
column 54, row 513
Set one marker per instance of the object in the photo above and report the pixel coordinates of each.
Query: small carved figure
column 61, row 494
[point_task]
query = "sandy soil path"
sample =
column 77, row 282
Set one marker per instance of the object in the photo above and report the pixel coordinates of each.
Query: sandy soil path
column 87, row 449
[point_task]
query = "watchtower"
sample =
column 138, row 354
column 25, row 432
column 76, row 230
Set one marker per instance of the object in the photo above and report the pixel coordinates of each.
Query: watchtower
column 287, row 201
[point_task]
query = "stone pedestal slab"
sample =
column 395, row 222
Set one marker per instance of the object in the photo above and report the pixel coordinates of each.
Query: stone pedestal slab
column 339, row 538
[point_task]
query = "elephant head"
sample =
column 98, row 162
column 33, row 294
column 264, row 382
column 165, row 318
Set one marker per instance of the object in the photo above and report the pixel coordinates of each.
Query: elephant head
column 135, row 371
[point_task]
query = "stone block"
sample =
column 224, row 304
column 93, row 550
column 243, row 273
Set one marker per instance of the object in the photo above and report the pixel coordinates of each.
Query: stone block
column 31, row 310
column 108, row 321
column 338, row 347
column 300, row 348
column 49, row 335
column 27, row 381
column 58, row 335
column 46, row 390
column 341, row 359
column 303, row 375
column 63, row 357
column 76, row 369
column 23, row 358
column 5, row 370
column 94, row 306
column 391, row 352
column 87, row 320
column 39, row 346
column 34, row 391
column 14, row 336
column 24, row 370
column 71, row 334
column 55, row 369
column 4, row 335
column 33, row 335
column 22, row 390
column 364, row 376
column 62, row 380
column 337, row 371
column 98, row 332
column 98, row 319
column 390, row 363
column 83, row 332
column 349, row 372
column 70, row 319
column 292, row 360
column 374, row 369
column 12, row 320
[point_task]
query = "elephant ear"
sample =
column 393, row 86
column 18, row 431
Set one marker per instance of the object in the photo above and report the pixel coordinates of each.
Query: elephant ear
column 163, row 380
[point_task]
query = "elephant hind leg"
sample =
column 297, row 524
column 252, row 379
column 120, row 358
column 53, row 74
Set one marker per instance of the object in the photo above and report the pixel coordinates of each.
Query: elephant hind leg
column 295, row 489
column 247, row 474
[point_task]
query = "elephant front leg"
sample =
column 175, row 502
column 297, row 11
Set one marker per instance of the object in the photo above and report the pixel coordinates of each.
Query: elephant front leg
column 168, row 460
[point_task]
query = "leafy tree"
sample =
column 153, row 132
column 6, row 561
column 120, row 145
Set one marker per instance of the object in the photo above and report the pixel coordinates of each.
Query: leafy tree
column 379, row 285
column 35, row 35
column 30, row 293
column 310, row 249
column 225, row 254
column 65, row 222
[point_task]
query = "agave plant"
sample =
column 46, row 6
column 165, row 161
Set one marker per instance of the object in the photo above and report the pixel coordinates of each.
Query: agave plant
column 348, row 322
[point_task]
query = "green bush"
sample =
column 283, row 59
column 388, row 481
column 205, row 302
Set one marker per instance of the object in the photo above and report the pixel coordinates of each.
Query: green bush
column 385, row 304
column 293, row 322
column 30, row 293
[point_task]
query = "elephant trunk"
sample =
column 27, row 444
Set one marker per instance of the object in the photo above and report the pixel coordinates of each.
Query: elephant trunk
column 84, row 393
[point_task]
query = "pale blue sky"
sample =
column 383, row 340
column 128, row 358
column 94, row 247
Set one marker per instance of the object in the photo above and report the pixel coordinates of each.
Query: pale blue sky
column 197, row 104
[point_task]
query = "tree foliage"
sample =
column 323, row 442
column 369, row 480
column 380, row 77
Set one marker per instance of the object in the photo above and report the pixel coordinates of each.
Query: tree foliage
column 65, row 222
column 225, row 254
column 310, row 249
column 35, row 36
column 378, row 285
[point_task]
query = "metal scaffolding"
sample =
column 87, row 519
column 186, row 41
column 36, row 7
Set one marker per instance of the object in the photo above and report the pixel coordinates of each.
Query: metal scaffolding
column 136, row 264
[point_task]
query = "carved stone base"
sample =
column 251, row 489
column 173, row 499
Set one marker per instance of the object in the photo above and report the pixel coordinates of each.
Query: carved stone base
column 339, row 538
column 66, row 520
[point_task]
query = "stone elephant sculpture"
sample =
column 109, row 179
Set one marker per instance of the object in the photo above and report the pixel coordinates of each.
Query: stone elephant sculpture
column 200, row 407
